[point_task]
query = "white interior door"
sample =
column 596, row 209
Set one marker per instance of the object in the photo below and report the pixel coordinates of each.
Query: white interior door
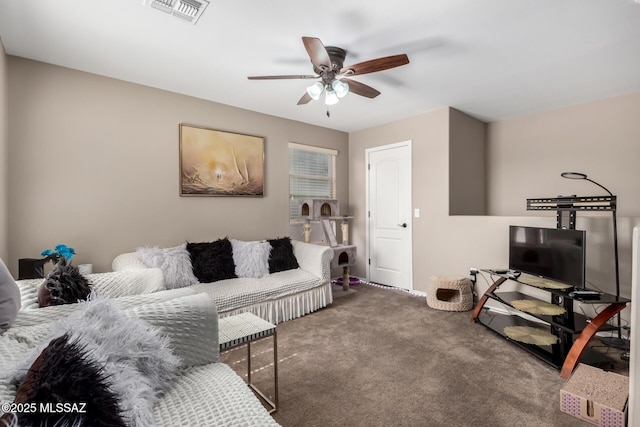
column 389, row 227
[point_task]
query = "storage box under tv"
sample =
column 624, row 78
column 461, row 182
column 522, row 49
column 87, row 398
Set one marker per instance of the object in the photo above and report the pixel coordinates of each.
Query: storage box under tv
column 596, row 396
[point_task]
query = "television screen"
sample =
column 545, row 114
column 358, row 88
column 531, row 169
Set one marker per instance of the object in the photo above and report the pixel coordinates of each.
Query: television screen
column 552, row 253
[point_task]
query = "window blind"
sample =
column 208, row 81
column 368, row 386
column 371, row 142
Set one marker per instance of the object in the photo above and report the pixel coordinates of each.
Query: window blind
column 311, row 175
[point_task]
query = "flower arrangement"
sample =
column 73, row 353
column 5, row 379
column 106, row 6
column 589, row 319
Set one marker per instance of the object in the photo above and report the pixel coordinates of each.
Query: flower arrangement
column 60, row 251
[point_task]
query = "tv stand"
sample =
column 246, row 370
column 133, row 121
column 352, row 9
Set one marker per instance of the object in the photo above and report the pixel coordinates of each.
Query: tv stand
column 573, row 330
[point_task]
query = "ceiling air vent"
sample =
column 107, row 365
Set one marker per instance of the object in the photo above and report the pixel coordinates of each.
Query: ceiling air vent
column 189, row 10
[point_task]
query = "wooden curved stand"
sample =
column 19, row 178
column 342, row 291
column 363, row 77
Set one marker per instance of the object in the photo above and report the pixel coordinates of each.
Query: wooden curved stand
column 581, row 342
column 482, row 301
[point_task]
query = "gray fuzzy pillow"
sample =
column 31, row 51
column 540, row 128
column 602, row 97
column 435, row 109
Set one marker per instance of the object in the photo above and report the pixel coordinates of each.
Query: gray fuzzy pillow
column 251, row 258
column 175, row 264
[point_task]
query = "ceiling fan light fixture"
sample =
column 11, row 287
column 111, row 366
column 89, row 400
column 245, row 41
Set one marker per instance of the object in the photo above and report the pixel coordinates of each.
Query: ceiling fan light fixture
column 330, row 75
column 340, row 88
column 330, row 97
column 315, row 90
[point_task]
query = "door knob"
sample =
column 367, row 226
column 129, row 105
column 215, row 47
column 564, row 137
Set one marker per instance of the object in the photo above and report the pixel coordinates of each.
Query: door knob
column 403, row 225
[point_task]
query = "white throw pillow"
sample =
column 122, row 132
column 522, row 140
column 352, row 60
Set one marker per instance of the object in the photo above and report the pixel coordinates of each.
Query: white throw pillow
column 175, row 264
column 251, row 258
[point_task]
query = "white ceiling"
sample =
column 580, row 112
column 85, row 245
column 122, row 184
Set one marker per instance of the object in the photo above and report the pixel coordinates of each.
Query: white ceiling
column 492, row 59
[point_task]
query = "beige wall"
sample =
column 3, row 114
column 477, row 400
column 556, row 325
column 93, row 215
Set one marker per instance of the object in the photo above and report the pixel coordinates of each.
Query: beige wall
column 444, row 244
column 527, row 154
column 4, row 160
column 467, row 165
column 94, row 165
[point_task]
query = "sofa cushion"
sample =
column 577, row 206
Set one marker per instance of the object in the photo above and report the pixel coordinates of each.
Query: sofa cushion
column 190, row 324
column 27, row 318
column 127, row 261
column 251, row 258
column 281, row 257
column 230, row 295
column 175, row 264
column 212, row 261
column 130, row 282
column 211, row 395
column 9, row 298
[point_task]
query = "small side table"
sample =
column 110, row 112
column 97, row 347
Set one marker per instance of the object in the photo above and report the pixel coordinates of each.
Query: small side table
column 31, row 268
column 245, row 328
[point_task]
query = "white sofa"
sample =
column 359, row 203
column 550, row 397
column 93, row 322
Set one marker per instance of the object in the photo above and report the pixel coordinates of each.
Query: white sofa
column 204, row 392
column 276, row 297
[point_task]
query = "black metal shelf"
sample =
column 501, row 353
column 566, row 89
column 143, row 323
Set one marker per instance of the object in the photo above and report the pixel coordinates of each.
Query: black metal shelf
column 497, row 322
column 550, row 354
column 570, row 322
column 560, row 293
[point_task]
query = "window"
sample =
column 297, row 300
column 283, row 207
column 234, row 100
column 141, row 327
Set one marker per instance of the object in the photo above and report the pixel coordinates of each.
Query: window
column 312, row 175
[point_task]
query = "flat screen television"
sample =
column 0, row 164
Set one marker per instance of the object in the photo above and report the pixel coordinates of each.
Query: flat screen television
column 551, row 253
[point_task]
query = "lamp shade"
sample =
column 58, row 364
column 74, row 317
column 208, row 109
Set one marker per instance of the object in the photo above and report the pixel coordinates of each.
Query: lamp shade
column 315, row 90
column 341, row 88
column 330, row 97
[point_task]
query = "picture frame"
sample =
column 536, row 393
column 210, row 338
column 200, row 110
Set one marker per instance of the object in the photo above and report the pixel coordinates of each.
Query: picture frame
column 219, row 163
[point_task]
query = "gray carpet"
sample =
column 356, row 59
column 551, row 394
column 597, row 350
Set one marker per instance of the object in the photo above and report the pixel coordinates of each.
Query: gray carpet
column 381, row 357
column 338, row 290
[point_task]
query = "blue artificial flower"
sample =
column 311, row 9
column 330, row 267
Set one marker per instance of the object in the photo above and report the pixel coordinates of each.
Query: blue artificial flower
column 60, row 251
column 46, row 252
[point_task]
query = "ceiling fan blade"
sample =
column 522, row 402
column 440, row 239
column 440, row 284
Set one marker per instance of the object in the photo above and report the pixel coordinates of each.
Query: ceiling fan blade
column 305, row 98
column 375, row 65
column 296, row 76
column 317, row 52
column 361, row 88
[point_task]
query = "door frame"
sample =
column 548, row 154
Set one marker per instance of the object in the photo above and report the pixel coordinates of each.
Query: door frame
column 367, row 152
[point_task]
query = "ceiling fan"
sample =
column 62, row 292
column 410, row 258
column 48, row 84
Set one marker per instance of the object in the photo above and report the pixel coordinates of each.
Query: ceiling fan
column 334, row 76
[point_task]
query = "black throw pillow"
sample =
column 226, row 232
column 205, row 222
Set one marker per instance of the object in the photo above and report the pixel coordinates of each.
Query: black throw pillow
column 212, row 261
column 72, row 386
column 281, row 257
column 64, row 285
